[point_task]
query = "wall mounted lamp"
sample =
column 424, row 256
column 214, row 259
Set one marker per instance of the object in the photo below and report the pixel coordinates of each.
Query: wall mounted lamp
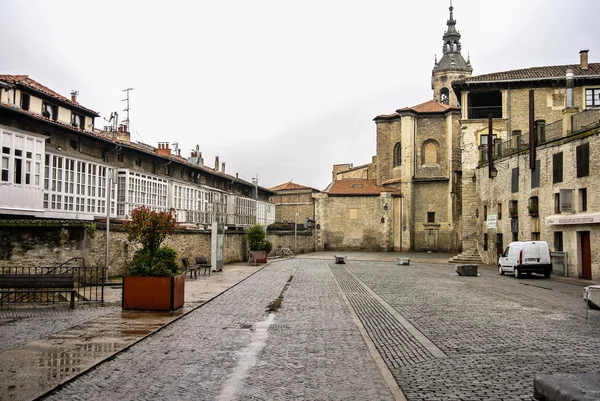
column 383, row 219
column 385, row 207
column 474, row 178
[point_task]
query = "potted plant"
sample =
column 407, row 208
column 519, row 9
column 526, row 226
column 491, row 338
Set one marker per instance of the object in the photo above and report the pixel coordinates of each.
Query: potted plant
column 258, row 245
column 153, row 280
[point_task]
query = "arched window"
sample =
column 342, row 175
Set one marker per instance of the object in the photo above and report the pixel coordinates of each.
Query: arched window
column 454, row 46
column 448, row 47
column 445, row 96
column 398, row 154
column 429, row 154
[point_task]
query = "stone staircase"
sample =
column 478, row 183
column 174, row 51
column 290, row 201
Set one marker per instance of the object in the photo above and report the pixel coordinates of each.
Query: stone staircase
column 469, row 256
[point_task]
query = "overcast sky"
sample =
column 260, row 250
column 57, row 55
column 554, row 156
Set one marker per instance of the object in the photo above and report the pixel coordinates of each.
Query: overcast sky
column 282, row 89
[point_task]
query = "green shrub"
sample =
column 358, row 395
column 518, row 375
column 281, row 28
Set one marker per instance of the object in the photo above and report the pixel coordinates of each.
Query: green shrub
column 162, row 263
column 256, row 239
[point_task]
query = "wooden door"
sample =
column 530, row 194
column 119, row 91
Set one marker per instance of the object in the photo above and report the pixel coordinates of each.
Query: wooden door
column 586, row 255
column 499, row 244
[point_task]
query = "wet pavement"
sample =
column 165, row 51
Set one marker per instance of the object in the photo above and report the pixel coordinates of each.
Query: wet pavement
column 307, row 328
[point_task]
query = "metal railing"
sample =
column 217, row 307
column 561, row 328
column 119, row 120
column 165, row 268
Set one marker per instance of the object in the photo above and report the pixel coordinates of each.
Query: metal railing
column 484, row 112
column 88, row 284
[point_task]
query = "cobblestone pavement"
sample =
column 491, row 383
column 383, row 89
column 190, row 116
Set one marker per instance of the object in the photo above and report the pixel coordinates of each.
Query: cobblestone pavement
column 43, row 346
column 287, row 333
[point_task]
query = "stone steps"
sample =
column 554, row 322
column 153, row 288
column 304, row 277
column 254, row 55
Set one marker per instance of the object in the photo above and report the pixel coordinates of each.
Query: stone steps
column 467, row 257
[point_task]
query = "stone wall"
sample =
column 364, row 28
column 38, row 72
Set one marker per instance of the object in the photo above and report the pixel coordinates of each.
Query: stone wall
column 354, row 222
column 52, row 244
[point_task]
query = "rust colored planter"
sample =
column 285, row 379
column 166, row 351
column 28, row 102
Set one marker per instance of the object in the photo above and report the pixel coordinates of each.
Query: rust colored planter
column 261, row 256
column 153, row 293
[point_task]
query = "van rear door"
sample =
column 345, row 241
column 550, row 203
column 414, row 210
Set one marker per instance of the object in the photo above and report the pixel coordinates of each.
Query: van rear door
column 531, row 253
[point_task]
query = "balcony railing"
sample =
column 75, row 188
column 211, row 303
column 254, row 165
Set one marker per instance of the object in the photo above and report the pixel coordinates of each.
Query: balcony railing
column 484, row 112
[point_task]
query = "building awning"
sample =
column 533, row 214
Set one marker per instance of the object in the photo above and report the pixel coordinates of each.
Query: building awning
column 578, row 218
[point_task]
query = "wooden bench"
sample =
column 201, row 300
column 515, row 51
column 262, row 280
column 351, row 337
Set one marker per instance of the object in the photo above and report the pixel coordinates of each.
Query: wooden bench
column 188, row 267
column 202, row 263
column 37, row 284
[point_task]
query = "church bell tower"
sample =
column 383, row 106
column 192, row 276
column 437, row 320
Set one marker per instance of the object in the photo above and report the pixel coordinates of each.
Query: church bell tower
column 451, row 67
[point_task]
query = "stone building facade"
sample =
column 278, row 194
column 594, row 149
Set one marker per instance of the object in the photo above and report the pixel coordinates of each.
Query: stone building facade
column 55, row 164
column 293, row 202
column 541, row 179
column 355, row 214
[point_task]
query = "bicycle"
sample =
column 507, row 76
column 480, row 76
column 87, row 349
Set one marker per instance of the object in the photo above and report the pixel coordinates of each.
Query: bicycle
column 284, row 252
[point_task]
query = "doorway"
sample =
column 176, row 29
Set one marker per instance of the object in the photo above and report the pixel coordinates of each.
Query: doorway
column 499, row 244
column 586, row 255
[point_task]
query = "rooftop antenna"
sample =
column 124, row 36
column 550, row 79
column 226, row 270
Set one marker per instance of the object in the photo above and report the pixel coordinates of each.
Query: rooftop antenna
column 126, row 121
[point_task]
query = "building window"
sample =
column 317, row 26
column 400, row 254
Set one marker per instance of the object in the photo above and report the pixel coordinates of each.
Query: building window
column 482, row 104
column 398, row 154
column 513, row 209
column 583, row 199
column 533, row 207
column 557, row 168
column 535, row 175
column 138, row 162
column 583, row 160
column 558, row 241
column 431, row 217
column 557, row 202
column 5, row 162
column 592, row 97
column 120, row 157
column 484, row 213
column 25, row 101
column 77, row 120
column 50, row 111
column 485, row 242
column 514, row 187
column 499, row 211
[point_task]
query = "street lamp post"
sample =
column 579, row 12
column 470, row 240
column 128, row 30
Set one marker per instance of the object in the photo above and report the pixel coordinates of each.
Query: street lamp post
column 296, row 231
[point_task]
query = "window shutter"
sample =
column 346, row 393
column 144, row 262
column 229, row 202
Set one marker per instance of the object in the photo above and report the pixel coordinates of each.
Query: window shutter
column 515, row 180
column 583, row 160
column 557, row 167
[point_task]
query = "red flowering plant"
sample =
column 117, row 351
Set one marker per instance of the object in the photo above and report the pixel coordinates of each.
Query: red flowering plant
column 150, row 229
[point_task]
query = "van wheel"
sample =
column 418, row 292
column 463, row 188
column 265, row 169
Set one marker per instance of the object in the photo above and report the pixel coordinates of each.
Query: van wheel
column 500, row 270
column 517, row 273
column 547, row 274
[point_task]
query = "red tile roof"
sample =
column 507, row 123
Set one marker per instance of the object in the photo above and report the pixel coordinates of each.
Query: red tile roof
column 535, row 73
column 358, row 187
column 30, row 83
column 430, row 106
column 288, row 185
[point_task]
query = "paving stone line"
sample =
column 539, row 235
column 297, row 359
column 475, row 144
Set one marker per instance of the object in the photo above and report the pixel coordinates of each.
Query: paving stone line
column 393, row 338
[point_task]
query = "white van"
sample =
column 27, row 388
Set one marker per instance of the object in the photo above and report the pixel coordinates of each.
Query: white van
column 526, row 257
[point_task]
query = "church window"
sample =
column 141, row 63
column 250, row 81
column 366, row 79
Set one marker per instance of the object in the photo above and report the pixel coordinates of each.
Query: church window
column 445, row 96
column 398, row 155
column 430, row 152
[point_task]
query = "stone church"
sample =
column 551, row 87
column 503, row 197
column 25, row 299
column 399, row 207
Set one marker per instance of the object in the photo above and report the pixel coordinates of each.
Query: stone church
column 418, row 159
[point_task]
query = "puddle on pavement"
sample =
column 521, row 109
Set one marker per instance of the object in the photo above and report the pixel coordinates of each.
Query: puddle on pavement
column 248, row 357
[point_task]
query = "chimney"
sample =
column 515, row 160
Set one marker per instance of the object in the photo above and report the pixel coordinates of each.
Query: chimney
column 583, row 59
column 74, row 94
column 163, row 149
column 217, row 163
column 223, row 167
column 237, row 175
column 570, row 88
